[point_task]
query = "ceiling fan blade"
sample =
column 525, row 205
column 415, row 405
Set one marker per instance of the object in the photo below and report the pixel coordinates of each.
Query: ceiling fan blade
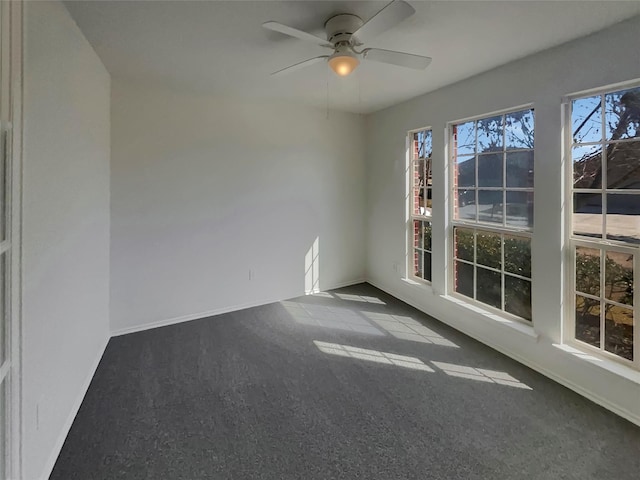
column 401, row 59
column 294, row 32
column 298, row 66
column 392, row 14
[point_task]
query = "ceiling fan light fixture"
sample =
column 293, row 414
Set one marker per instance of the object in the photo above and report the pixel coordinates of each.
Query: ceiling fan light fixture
column 343, row 63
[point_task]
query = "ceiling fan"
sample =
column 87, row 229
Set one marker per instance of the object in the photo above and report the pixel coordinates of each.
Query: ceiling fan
column 347, row 32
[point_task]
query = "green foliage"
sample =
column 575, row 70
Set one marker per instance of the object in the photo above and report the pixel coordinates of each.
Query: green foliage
column 517, row 256
column 426, row 235
column 488, row 251
column 517, row 296
column 618, row 285
column 588, row 274
column 464, row 244
column 517, row 251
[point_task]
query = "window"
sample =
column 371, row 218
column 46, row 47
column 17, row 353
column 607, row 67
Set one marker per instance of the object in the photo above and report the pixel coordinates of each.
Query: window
column 420, row 203
column 492, row 173
column 605, row 220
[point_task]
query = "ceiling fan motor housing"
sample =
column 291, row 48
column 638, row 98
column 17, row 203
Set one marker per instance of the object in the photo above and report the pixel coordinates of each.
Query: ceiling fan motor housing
column 346, row 33
column 341, row 27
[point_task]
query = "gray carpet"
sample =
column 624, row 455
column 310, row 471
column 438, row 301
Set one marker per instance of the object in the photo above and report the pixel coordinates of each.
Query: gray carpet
column 386, row 393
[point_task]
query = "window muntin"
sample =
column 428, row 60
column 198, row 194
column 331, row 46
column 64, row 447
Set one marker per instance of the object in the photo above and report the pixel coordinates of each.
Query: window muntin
column 421, row 203
column 603, row 297
column 492, row 165
column 493, row 268
column 605, row 220
column 605, row 157
column 493, row 170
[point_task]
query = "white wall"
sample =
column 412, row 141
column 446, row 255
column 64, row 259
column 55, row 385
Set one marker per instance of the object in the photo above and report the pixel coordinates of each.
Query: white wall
column 205, row 189
column 605, row 58
column 65, row 227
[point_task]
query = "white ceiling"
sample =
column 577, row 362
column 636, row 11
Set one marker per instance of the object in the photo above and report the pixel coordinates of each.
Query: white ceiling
column 220, row 47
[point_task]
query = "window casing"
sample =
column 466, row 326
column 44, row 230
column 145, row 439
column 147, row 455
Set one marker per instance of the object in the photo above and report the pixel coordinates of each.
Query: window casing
column 420, row 203
column 603, row 144
column 491, row 160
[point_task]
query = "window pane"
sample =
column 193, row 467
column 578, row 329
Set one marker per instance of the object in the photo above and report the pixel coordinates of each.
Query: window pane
column 623, row 217
column 587, row 214
column 421, row 205
column 418, row 201
column 464, row 279
column 489, row 287
column 490, row 170
column 489, row 249
column 517, row 255
column 465, row 138
column 429, row 203
column 466, row 209
column 520, row 209
column 427, row 266
column 3, row 192
column 618, row 277
column 623, row 165
column 490, row 206
column 418, row 183
column 418, row 234
column 588, row 270
column 3, row 320
column 463, row 244
column 465, row 172
column 490, row 134
column 622, row 117
column 517, row 296
column 428, row 172
column 418, row 173
column 426, row 235
column 520, row 169
column 417, row 263
column 519, row 128
column 618, row 331
column 587, row 166
column 424, row 143
column 588, row 320
column 4, row 418
column 586, row 119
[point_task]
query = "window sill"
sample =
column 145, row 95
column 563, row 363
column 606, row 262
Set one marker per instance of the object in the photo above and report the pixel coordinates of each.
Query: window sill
column 486, row 315
column 607, row 364
column 417, row 283
column 494, row 317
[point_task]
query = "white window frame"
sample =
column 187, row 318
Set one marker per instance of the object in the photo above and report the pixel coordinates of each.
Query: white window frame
column 603, row 244
column 502, row 229
column 11, row 15
column 412, row 216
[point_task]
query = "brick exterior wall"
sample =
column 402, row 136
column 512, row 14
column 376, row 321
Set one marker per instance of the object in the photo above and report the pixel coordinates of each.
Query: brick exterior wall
column 416, row 201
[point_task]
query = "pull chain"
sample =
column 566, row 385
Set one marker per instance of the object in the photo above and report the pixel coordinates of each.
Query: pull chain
column 327, row 94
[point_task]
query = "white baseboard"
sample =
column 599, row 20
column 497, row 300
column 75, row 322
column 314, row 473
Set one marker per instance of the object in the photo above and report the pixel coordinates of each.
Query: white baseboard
column 603, row 402
column 187, row 318
column 57, row 447
column 217, row 311
column 345, row 284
